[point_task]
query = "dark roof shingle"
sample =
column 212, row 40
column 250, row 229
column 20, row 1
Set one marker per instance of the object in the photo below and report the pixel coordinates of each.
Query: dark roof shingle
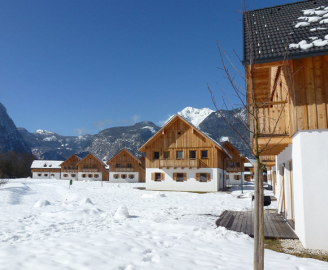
column 275, row 31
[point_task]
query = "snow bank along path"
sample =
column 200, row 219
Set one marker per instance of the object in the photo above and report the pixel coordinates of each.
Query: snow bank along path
column 77, row 229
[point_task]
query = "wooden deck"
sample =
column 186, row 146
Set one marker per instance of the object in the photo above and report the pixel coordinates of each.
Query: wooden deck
column 242, row 221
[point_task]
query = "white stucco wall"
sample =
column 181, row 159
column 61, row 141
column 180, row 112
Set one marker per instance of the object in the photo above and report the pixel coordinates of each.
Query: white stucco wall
column 80, row 178
column 190, row 185
column 69, row 176
column 121, row 180
column 310, row 161
column 232, row 181
column 283, row 159
column 46, row 175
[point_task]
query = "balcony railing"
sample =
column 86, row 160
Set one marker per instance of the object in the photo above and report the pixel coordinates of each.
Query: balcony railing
column 183, row 162
column 89, row 170
column 124, row 169
column 69, row 170
column 273, row 118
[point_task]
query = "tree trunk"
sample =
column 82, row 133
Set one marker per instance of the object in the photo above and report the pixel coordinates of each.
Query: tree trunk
column 258, row 218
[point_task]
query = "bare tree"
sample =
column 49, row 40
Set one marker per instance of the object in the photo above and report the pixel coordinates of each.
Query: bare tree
column 260, row 121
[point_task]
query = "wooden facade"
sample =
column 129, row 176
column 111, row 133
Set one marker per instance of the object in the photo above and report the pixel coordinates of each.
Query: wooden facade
column 291, row 96
column 125, row 162
column 179, row 144
column 92, row 165
column 70, row 164
column 233, row 164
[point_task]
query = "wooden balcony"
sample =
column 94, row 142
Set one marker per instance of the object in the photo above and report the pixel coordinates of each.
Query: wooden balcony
column 89, row 170
column 182, row 162
column 274, row 127
column 69, row 170
column 273, row 118
column 124, row 169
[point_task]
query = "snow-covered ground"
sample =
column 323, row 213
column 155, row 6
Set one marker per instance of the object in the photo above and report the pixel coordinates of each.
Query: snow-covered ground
column 45, row 225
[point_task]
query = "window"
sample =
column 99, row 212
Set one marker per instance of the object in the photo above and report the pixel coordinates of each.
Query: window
column 73, row 175
column 84, row 175
column 179, row 154
column 65, row 168
column 123, row 176
column 237, row 164
column 39, row 174
column 73, row 167
column 45, row 165
column 96, row 176
column 180, row 177
column 129, row 165
column 52, row 175
column 204, row 154
column 158, row 177
column 118, row 165
column 69, row 167
column 131, row 176
column 90, row 175
column 231, row 164
column 65, row 175
column 156, row 155
column 192, row 154
column 167, row 154
column 45, row 174
column 203, row 177
column 116, row 176
column 236, row 177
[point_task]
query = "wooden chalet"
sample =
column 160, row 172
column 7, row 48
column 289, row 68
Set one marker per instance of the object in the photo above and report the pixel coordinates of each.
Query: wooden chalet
column 125, row 168
column 181, row 157
column 46, row 169
column 286, row 60
column 69, row 168
column 235, row 165
column 91, row 168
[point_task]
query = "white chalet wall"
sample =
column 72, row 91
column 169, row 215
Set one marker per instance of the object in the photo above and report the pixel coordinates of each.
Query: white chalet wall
column 191, row 184
column 310, row 161
column 121, row 180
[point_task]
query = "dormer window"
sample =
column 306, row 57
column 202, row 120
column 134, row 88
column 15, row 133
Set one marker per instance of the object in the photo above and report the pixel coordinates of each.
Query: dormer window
column 45, row 165
column 50, row 165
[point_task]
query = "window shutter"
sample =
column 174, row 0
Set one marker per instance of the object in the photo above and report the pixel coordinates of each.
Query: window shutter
column 162, row 176
column 227, row 176
column 235, row 177
column 184, row 177
column 197, row 176
column 152, row 176
column 174, row 176
column 208, row 177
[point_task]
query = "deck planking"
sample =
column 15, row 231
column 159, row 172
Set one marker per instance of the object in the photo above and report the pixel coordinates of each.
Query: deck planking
column 242, row 221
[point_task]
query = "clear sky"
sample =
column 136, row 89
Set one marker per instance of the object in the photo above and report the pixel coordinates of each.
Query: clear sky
column 76, row 66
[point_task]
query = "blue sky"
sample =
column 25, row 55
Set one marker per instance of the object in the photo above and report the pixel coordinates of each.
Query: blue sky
column 76, row 67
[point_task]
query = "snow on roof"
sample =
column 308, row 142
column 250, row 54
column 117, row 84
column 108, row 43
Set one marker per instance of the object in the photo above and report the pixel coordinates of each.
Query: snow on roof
column 53, row 164
column 297, row 29
column 248, row 164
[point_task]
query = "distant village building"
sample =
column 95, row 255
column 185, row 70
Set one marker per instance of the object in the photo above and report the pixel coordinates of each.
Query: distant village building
column 235, row 166
column 125, row 168
column 46, row 169
column 69, row 168
column 181, row 157
column 288, row 45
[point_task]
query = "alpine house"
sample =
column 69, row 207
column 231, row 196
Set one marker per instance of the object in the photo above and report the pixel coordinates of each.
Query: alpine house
column 286, row 60
column 180, row 157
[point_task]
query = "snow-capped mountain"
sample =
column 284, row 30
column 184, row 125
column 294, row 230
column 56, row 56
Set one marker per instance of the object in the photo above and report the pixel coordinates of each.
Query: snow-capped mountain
column 108, row 142
column 195, row 116
column 50, row 145
column 10, row 138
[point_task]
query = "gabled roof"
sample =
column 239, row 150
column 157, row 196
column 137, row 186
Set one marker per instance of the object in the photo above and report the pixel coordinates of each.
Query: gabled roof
column 233, row 147
column 173, row 118
column 299, row 29
column 125, row 150
column 46, row 164
column 90, row 154
column 79, row 159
